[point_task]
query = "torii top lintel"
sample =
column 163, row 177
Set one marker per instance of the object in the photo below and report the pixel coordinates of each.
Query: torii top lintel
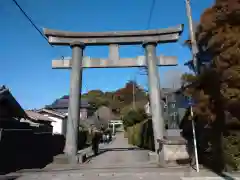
column 56, row 37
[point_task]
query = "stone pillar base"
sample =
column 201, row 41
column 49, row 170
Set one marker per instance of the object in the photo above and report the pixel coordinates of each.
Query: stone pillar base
column 64, row 159
column 173, row 152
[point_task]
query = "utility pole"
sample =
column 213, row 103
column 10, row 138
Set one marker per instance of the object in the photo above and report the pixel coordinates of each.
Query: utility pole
column 196, row 69
column 192, row 36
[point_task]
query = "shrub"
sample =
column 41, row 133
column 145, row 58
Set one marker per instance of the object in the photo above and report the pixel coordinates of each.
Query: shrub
column 133, row 117
column 231, row 145
column 141, row 135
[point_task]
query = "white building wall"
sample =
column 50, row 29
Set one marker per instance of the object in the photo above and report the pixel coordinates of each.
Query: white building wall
column 147, row 108
column 57, row 125
column 83, row 114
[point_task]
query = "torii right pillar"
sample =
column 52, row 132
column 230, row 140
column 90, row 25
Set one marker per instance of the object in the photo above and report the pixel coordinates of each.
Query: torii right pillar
column 154, row 93
column 169, row 150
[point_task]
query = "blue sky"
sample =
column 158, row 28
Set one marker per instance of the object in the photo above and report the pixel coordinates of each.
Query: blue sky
column 26, row 57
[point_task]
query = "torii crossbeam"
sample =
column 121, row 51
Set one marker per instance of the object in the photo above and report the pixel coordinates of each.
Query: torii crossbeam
column 88, row 62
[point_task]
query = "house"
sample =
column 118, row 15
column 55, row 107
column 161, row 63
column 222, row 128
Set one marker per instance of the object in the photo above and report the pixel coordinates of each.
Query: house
column 59, row 122
column 61, row 106
column 25, row 136
column 173, row 107
column 9, row 107
column 38, row 120
column 13, row 116
column 58, row 111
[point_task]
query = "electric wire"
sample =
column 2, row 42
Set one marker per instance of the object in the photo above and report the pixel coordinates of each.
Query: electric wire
column 151, row 13
column 143, row 70
column 31, row 21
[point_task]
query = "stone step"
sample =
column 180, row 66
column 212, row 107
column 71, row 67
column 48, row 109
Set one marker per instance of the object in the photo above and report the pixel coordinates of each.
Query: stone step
column 114, row 169
column 69, row 167
column 170, row 175
column 209, row 178
column 120, row 173
column 99, row 176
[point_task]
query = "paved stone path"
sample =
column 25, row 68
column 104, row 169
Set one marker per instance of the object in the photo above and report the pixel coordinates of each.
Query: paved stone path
column 119, row 153
column 117, row 161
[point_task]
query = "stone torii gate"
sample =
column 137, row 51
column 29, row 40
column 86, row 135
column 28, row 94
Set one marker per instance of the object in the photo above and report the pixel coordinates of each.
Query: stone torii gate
column 79, row 40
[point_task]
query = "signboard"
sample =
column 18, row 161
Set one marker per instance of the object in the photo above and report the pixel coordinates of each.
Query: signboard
column 190, row 101
column 185, row 102
column 172, row 107
column 173, row 120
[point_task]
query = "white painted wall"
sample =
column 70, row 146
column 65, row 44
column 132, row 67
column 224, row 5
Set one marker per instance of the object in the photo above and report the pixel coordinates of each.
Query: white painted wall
column 83, row 114
column 147, row 108
column 57, row 125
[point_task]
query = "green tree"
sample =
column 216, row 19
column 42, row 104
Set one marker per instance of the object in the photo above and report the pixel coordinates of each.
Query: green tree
column 133, row 117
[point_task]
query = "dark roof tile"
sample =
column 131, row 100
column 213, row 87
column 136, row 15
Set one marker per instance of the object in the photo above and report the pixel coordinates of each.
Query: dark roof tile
column 62, row 103
column 9, row 105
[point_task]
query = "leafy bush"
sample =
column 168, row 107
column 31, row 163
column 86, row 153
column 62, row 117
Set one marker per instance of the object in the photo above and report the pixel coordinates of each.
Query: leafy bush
column 231, row 145
column 133, row 117
column 84, row 139
column 138, row 129
column 141, row 135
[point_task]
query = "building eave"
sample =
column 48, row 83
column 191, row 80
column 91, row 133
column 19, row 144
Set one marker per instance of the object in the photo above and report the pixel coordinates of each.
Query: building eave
column 52, row 112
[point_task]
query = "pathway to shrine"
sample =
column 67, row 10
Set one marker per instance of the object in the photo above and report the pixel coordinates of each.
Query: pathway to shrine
column 116, row 161
column 119, row 153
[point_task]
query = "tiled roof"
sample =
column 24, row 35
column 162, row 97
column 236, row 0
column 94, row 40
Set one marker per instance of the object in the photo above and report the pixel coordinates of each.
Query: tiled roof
column 37, row 116
column 9, row 104
column 62, row 103
column 53, row 112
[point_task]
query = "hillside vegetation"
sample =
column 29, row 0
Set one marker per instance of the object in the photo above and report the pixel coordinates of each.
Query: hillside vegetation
column 119, row 100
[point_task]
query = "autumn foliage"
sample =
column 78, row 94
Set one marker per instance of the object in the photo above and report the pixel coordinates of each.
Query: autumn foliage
column 119, row 100
column 217, row 88
column 218, row 38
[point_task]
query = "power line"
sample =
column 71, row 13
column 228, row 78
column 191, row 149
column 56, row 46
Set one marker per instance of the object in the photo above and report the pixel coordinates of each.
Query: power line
column 151, row 13
column 194, row 46
column 30, row 20
column 148, row 26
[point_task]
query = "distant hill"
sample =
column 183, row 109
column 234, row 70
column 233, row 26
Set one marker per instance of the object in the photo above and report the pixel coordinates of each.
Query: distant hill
column 116, row 100
column 119, row 100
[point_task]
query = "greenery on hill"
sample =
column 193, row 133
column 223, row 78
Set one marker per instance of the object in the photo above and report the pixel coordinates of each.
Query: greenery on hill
column 118, row 100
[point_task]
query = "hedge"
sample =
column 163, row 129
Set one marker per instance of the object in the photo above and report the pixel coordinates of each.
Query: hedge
column 231, row 149
column 141, row 135
column 84, row 139
column 230, row 145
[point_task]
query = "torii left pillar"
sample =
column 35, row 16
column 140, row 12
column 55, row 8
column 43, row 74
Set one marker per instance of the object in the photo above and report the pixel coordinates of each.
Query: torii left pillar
column 74, row 103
